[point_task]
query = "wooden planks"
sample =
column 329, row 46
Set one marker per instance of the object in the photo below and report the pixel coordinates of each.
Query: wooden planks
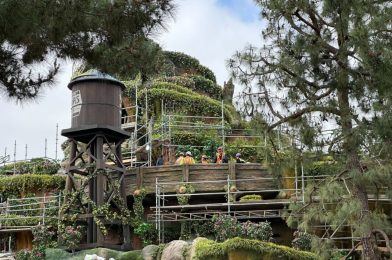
column 204, row 178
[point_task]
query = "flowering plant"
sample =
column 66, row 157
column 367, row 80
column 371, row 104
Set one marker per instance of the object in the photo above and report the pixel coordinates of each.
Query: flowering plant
column 226, row 227
column 71, row 236
column 260, row 231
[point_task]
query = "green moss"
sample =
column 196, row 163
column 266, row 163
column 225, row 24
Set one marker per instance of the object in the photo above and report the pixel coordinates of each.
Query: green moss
column 207, row 249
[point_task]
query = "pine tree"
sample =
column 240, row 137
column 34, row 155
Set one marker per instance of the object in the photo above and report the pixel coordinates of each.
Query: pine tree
column 106, row 34
column 327, row 63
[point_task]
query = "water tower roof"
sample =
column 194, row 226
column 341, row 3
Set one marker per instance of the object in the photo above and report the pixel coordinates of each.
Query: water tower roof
column 95, row 75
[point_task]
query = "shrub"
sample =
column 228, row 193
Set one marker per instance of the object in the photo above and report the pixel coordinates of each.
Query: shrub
column 146, row 232
column 71, row 237
column 302, row 241
column 260, row 231
column 23, row 255
column 43, row 235
column 29, row 183
column 251, row 197
column 226, row 227
column 34, row 166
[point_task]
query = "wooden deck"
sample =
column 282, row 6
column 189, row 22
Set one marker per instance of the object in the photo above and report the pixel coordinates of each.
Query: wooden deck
column 204, row 178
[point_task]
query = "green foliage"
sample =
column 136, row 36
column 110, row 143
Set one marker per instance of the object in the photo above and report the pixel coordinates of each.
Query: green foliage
column 302, row 241
column 138, row 208
column 23, row 254
column 187, row 102
column 114, row 40
column 260, row 231
column 17, row 220
column 184, row 63
column 322, row 168
column 71, row 236
column 29, row 183
column 181, row 191
column 203, row 228
column 225, row 227
column 78, row 202
column 147, row 232
column 34, row 166
column 43, row 235
column 251, row 197
column 195, row 83
column 207, row 249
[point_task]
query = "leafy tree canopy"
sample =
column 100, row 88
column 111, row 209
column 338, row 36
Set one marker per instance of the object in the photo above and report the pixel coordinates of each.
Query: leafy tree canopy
column 327, row 64
column 105, row 34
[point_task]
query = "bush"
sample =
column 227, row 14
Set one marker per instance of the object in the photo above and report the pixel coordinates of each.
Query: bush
column 146, row 232
column 260, row 231
column 226, row 227
column 251, row 197
column 34, row 166
column 302, row 241
column 71, row 237
column 29, row 183
column 23, row 255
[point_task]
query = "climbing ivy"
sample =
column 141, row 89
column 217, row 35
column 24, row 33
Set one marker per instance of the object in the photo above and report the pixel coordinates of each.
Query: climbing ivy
column 70, row 209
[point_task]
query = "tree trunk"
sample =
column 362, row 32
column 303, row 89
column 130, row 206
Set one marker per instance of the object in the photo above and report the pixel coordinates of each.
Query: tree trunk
column 351, row 147
column 351, row 143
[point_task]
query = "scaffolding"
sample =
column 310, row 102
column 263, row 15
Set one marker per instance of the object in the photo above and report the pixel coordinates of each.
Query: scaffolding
column 35, row 209
column 163, row 212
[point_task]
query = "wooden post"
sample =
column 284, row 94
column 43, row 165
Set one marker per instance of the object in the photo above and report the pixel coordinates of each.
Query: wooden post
column 186, row 173
column 100, row 183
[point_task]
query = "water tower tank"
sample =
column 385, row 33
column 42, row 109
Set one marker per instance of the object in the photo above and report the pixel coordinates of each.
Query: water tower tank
column 96, row 100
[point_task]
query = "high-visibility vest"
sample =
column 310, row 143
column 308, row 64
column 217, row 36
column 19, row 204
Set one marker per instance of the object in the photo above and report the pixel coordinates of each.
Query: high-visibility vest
column 180, row 160
column 188, row 160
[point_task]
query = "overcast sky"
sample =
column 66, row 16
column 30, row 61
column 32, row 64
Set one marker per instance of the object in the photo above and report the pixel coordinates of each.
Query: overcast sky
column 209, row 30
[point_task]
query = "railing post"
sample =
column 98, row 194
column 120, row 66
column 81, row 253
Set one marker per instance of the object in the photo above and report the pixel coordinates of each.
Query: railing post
column 228, row 194
column 296, row 180
column 303, row 182
column 43, row 213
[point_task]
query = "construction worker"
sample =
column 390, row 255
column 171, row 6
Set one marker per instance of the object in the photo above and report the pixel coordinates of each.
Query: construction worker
column 220, row 156
column 188, row 158
column 238, row 158
column 180, row 159
column 204, row 159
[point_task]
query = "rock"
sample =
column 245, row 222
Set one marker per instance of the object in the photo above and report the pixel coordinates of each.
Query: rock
column 175, row 250
column 93, row 257
column 149, row 251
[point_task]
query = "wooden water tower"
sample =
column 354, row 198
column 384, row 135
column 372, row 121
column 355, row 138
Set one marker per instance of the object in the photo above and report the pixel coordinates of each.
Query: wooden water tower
column 96, row 137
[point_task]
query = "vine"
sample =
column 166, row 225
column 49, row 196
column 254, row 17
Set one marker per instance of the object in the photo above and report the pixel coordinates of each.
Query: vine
column 99, row 213
column 182, row 190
